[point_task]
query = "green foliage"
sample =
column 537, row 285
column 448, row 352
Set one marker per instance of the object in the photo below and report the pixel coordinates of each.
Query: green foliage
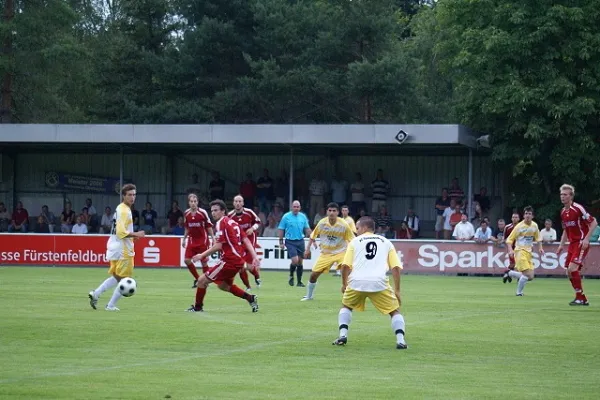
column 529, row 74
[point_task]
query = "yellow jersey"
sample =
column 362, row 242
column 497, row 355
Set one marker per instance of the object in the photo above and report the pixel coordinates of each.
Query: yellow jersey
column 350, row 221
column 334, row 238
column 119, row 246
column 525, row 236
column 370, row 257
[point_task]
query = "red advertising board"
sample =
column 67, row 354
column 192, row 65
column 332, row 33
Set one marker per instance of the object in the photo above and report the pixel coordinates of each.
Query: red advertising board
column 87, row 250
column 417, row 256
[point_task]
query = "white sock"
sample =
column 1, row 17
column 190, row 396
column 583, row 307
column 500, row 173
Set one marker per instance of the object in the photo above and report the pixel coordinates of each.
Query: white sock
column 104, row 286
column 398, row 327
column 521, row 285
column 515, row 274
column 344, row 319
column 115, row 297
column 310, row 288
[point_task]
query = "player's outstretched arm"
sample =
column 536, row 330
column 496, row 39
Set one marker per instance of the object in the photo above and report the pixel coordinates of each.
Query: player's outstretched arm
column 216, row 247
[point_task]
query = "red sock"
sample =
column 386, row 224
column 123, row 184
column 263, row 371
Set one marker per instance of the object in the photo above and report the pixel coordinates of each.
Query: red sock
column 192, row 268
column 244, row 276
column 577, row 286
column 236, row 291
column 254, row 271
column 205, row 268
column 200, row 293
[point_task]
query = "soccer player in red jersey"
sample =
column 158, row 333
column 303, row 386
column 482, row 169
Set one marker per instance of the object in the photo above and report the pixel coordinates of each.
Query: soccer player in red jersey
column 511, row 257
column 578, row 226
column 230, row 241
column 197, row 229
column 249, row 223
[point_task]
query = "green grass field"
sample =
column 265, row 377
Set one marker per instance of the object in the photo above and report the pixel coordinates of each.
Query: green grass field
column 469, row 338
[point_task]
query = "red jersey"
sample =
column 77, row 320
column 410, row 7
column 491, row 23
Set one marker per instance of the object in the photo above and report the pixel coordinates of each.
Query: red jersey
column 575, row 221
column 231, row 236
column 507, row 231
column 197, row 225
column 246, row 219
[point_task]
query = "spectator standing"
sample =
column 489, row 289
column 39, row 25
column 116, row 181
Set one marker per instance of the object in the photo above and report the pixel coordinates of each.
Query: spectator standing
column 216, row 188
column 265, row 192
column 441, row 204
column 172, row 218
column 379, row 189
column 357, row 190
column 339, row 190
column 317, row 189
column 319, row 216
column 456, row 216
column 448, row 212
column 93, row 219
column 194, row 186
column 455, row 192
column 248, row 191
column 148, row 219
column 498, row 233
column 548, row 234
column 85, row 217
column 464, row 229
column 277, row 213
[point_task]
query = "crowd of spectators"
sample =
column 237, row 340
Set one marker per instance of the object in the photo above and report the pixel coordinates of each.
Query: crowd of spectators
column 269, row 198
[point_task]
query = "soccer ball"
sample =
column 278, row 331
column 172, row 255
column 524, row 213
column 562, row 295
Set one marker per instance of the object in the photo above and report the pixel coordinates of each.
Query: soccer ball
column 127, row 287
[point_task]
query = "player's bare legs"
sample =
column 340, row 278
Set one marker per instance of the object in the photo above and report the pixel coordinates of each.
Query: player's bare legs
column 312, row 283
column 574, row 274
column 238, row 292
column 244, row 276
column 255, row 272
column 506, row 276
column 109, row 283
column 201, row 286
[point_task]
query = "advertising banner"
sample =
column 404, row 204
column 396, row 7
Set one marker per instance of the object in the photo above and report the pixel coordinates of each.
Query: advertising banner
column 84, row 183
column 417, row 256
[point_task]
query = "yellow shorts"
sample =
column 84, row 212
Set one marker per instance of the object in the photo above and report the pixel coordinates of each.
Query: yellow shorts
column 385, row 301
column 326, row 261
column 122, row 268
column 523, row 261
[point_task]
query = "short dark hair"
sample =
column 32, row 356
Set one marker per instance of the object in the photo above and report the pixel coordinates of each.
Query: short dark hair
column 528, row 209
column 367, row 222
column 345, row 206
column 333, row 205
column 126, row 188
column 220, row 203
column 484, row 222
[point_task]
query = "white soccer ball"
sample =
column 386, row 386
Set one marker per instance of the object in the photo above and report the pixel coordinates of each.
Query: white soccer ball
column 127, row 287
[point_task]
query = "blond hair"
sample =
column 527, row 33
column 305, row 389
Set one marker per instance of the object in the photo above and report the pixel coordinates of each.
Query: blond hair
column 568, row 187
column 192, row 195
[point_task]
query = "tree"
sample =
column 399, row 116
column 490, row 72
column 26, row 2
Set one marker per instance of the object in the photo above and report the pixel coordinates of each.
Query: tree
column 528, row 73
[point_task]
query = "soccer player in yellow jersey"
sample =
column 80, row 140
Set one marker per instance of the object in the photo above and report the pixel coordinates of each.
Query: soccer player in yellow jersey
column 119, row 249
column 524, row 235
column 335, row 235
column 350, row 221
column 364, row 275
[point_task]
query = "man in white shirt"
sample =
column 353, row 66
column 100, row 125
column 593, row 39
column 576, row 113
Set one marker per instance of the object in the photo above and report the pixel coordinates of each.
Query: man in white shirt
column 446, row 215
column 483, row 234
column 79, row 227
column 366, row 263
column 548, row 233
column 339, row 188
column 464, row 229
column 317, row 189
column 358, row 195
column 271, row 230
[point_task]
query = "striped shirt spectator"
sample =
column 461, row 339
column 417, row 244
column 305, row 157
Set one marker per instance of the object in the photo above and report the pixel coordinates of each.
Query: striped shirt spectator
column 379, row 190
column 455, row 192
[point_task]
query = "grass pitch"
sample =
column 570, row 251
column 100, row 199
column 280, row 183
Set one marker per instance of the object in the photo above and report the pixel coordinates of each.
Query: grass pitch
column 469, row 338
